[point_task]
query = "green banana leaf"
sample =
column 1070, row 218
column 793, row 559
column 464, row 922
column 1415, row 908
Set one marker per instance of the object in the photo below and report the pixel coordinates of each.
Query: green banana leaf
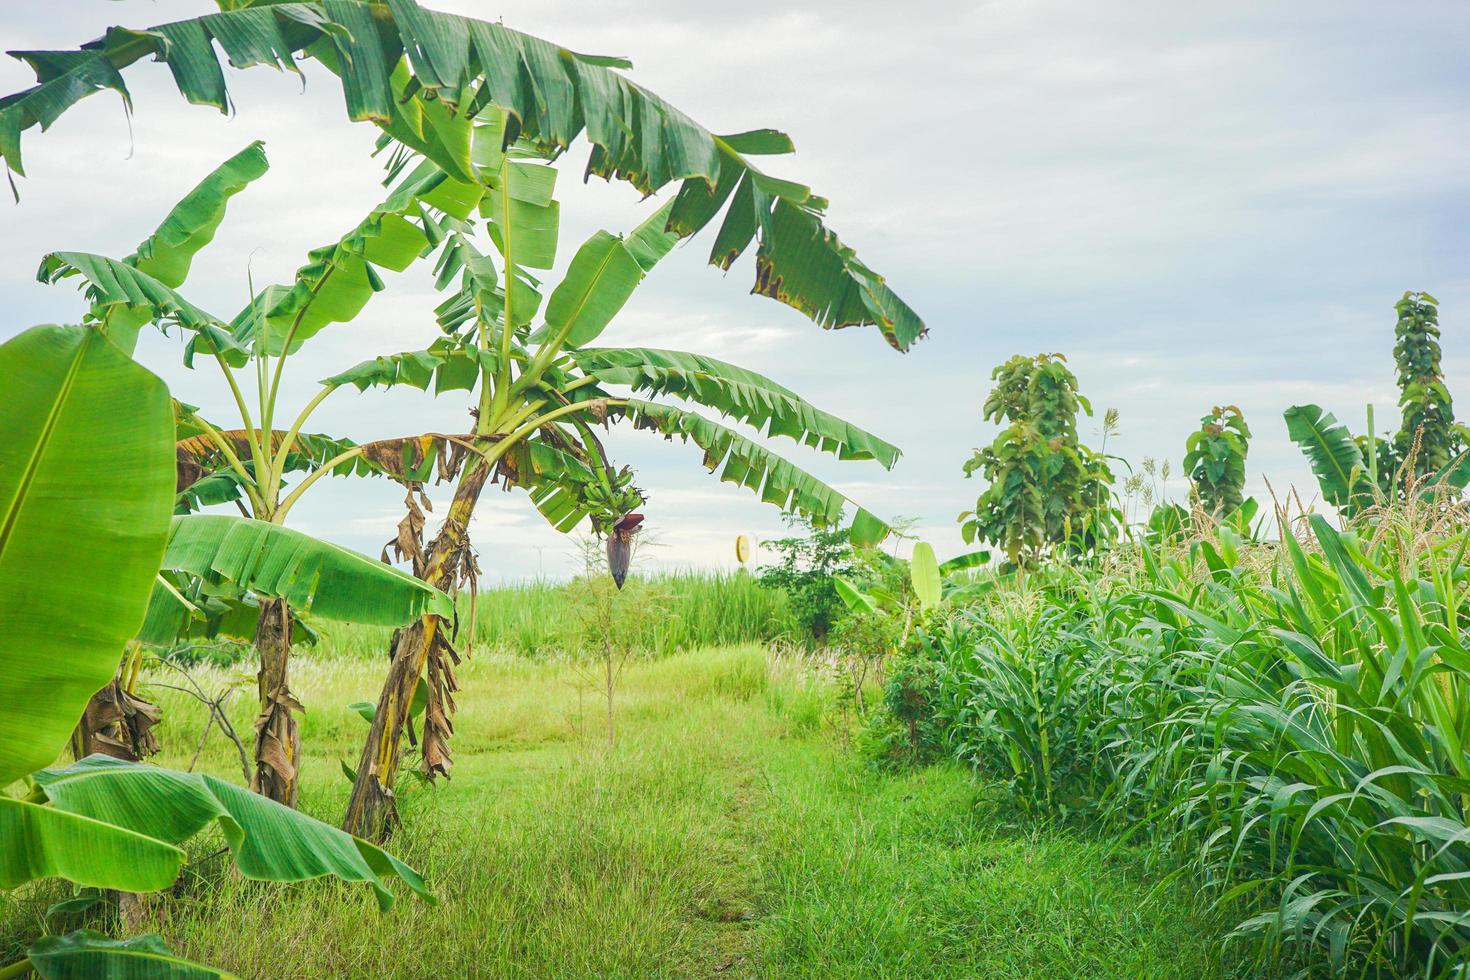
column 601, row 278
column 43, row 842
column 316, row 577
column 87, row 955
column 269, row 842
column 777, row 480
column 167, row 253
column 174, row 618
column 86, row 487
column 126, row 297
column 959, row 563
column 852, row 597
column 736, row 393
column 925, row 576
column 1336, row 459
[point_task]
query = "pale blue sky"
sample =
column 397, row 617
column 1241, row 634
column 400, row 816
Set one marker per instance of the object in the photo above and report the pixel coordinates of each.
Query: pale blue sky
column 1197, row 204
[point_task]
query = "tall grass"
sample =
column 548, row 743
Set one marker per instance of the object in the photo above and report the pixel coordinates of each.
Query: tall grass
column 1287, row 722
column 534, row 619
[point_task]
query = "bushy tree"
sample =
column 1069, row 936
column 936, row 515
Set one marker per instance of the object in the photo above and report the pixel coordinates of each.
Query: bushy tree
column 1428, row 412
column 1047, row 491
column 1215, row 460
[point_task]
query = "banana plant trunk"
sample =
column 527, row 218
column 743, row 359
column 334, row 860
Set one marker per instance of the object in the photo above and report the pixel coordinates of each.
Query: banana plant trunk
column 371, row 810
column 116, row 721
column 277, row 735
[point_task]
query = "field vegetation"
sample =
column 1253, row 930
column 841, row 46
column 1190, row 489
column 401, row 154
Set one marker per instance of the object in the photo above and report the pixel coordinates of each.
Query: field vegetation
column 1219, row 734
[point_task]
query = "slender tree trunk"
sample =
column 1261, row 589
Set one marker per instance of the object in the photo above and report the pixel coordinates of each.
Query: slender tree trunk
column 371, row 810
column 277, row 737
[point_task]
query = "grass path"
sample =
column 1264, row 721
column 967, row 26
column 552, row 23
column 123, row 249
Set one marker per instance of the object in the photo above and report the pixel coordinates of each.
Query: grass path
column 727, row 835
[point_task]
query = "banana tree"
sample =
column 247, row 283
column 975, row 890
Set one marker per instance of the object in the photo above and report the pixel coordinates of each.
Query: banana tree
column 86, row 469
column 429, row 80
column 541, row 389
column 289, row 573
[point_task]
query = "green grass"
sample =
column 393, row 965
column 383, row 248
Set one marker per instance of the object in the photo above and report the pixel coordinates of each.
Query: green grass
column 697, row 609
column 727, row 834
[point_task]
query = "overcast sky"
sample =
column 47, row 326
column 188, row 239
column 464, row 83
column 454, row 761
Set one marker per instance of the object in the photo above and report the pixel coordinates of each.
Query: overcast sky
column 1198, row 204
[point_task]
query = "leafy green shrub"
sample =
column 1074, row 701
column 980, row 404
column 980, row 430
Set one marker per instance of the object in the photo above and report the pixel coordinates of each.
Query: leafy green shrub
column 804, row 574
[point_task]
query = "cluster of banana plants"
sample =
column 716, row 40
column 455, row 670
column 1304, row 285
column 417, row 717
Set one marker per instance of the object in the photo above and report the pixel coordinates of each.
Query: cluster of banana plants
column 473, row 118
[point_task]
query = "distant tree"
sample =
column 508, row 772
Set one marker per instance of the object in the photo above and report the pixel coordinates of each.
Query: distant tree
column 1428, row 412
column 1215, row 460
column 1047, row 491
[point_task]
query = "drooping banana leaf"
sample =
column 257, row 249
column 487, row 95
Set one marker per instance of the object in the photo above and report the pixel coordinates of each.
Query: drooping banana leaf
column 182, row 611
column 959, row 563
column 86, row 487
column 1336, row 459
column 87, row 955
column 39, row 841
column 162, row 258
column 775, row 479
column 735, row 392
column 116, row 289
column 269, row 841
column 448, row 366
column 319, row 578
column 556, row 481
column 552, row 95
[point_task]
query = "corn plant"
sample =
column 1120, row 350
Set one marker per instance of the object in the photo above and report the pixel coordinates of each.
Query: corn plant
column 1287, row 724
